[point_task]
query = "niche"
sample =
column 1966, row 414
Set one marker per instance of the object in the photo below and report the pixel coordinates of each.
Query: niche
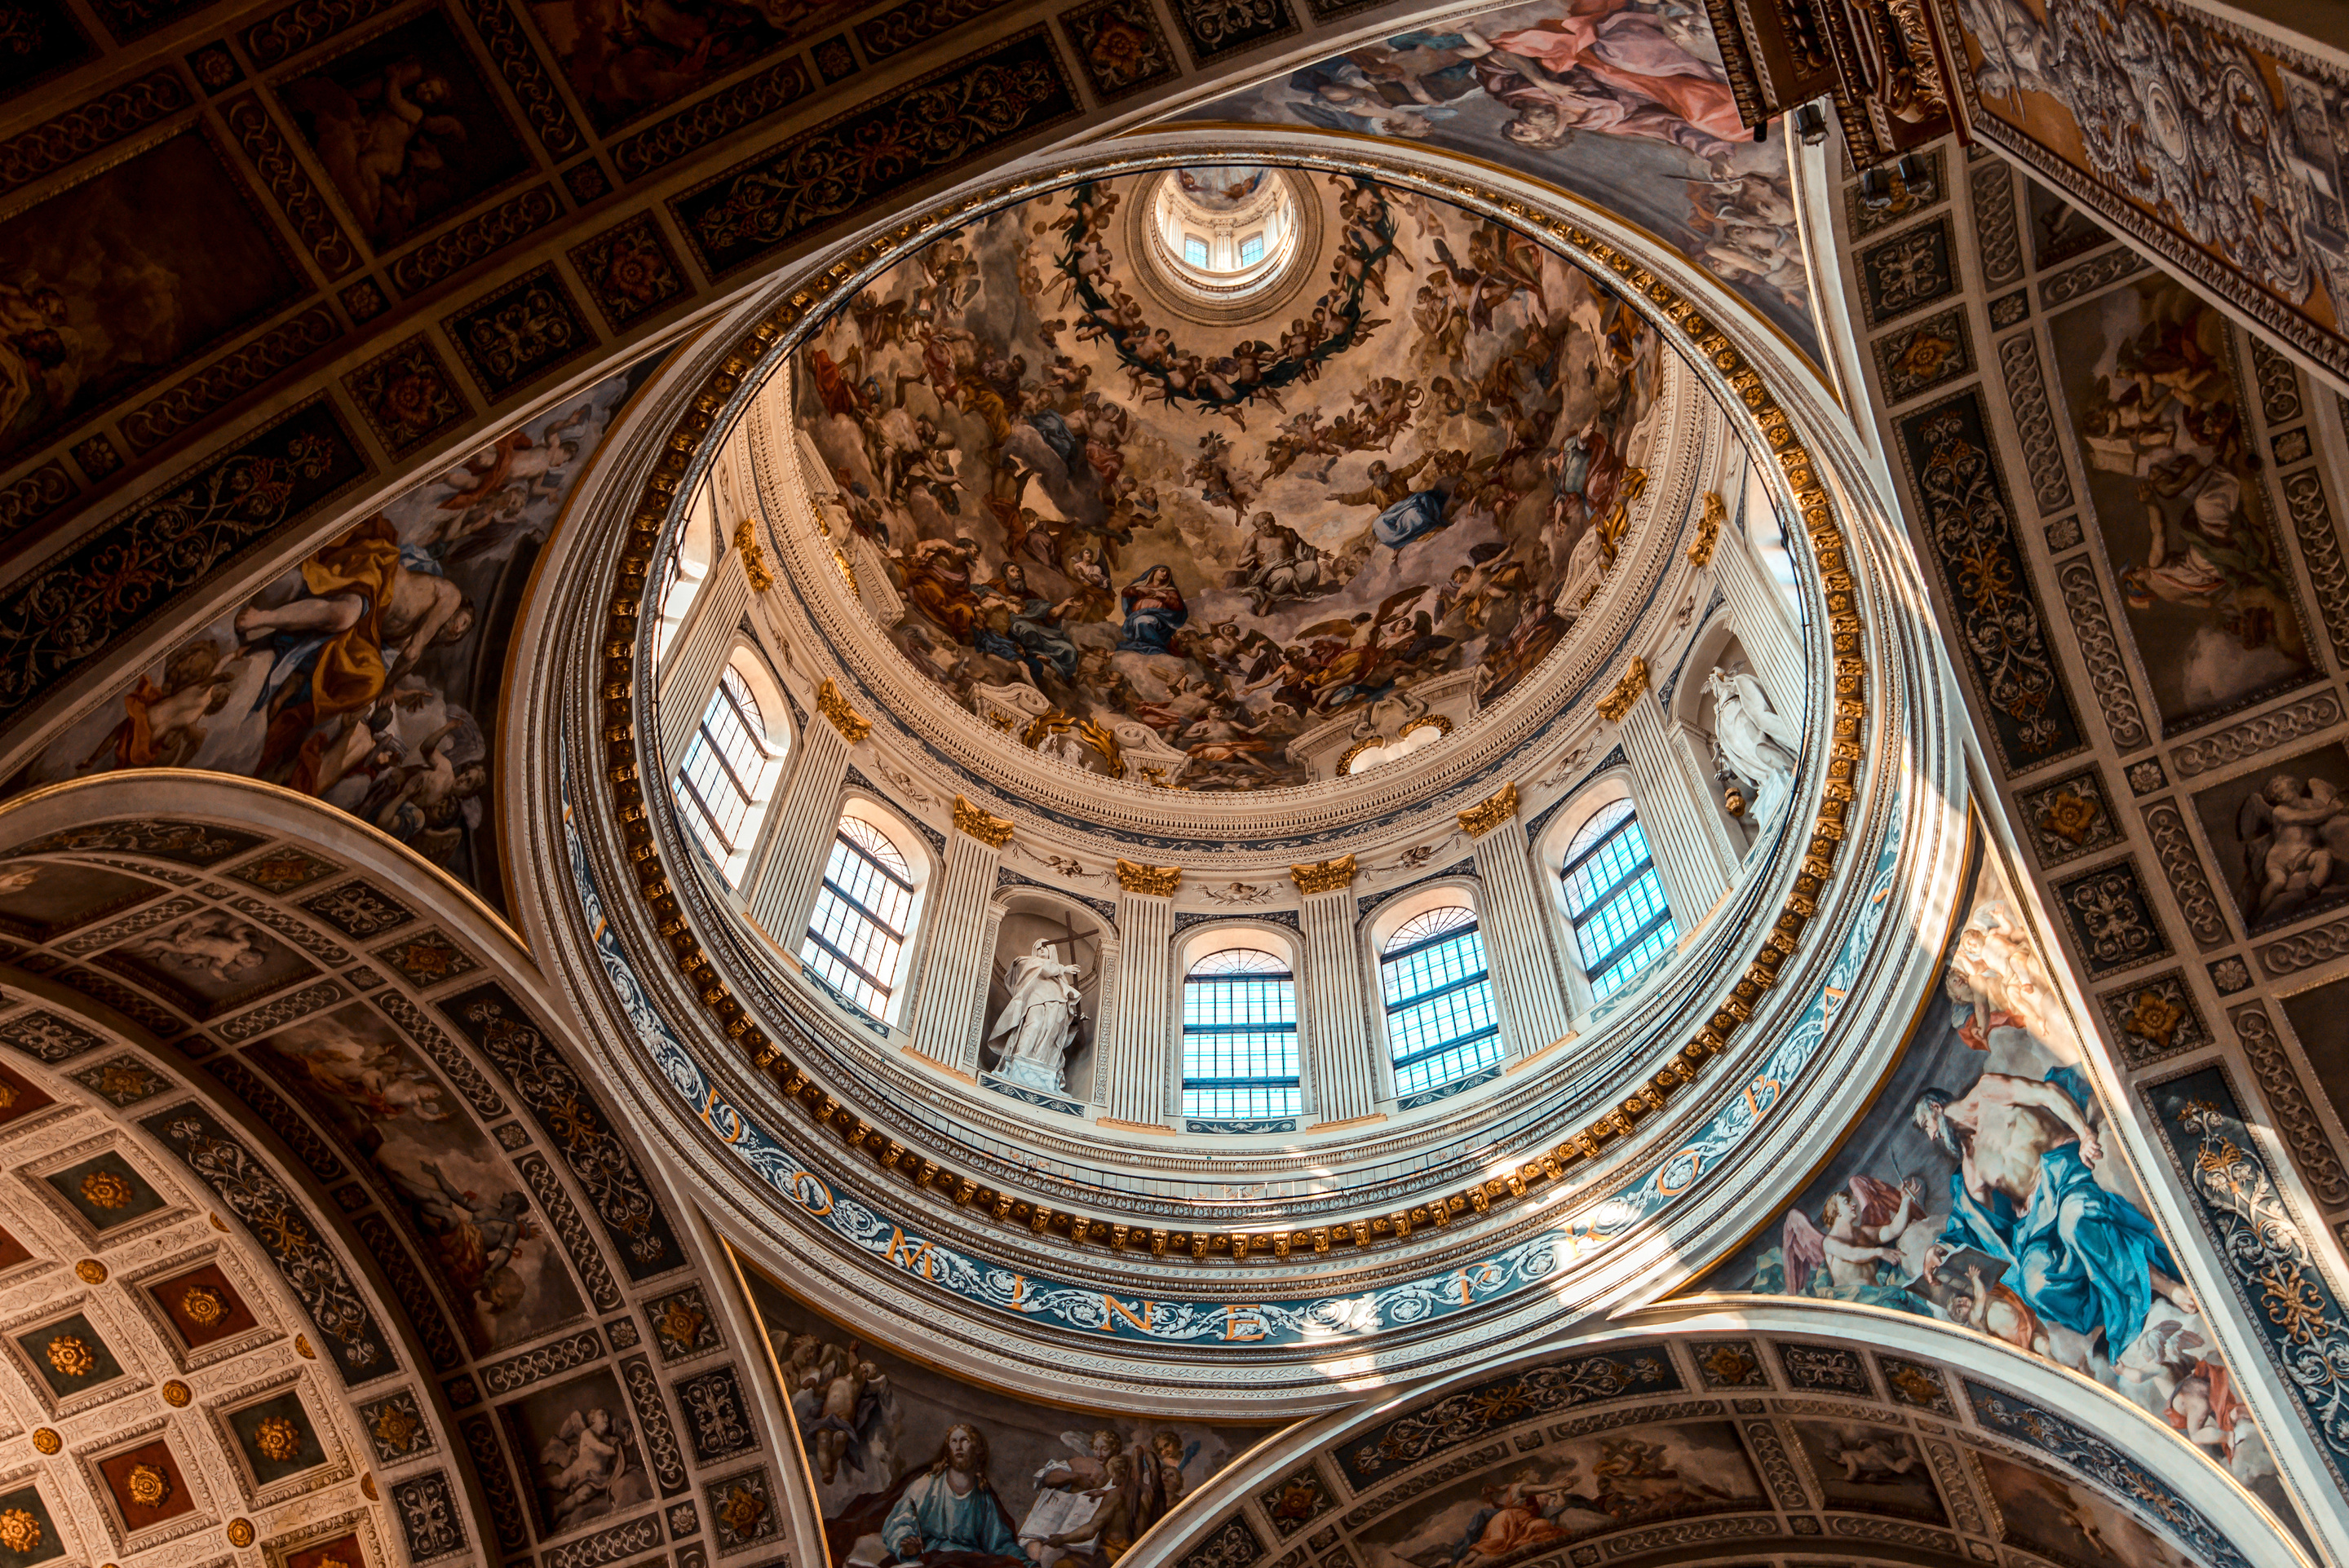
column 1044, row 1003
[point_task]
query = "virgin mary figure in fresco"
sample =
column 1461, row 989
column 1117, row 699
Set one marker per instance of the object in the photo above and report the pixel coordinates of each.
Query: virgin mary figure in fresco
column 1154, row 611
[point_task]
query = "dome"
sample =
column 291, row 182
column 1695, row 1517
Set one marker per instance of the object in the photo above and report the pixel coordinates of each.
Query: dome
column 1271, row 815
column 1216, row 546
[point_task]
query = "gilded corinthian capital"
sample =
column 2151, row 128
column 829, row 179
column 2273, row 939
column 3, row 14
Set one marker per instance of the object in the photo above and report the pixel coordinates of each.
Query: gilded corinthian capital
column 993, row 831
column 1325, row 876
column 1482, row 818
column 1617, row 703
column 1159, row 882
column 852, row 726
column 1707, row 529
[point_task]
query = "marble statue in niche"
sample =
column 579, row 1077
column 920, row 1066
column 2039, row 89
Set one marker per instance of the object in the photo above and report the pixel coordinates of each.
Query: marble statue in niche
column 1037, row 1025
column 1042, row 1003
column 1754, row 740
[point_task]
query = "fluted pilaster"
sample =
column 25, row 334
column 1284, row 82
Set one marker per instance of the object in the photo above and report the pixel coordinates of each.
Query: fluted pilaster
column 1514, row 920
column 1342, row 1078
column 800, row 827
column 960, row 940
column 1134, row 1064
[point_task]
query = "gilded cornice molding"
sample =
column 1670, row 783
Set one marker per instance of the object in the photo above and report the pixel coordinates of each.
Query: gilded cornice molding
column 754, row 556
column 1618, row 703
column 1707, row 529
column 993, row 831
column 1488, row 814
column 1325, row 876
column 1154, row 882
column 852, row 726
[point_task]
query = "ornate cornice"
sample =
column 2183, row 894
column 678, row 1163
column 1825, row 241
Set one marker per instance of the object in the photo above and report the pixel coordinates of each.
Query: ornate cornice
column 1618, row 703
column 993, row 831
column 1154, row 882
column 1484, row 817
column 1707, row 529
column 852, row 726
column 754, row 555
column 1325, row 876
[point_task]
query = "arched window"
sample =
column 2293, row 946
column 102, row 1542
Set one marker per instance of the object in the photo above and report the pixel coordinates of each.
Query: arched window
column 729, row 766
column 1194, row 250
column 1239, row 1036
column 1621, row 923
column 1439, row 1020
column 1251, row 250
column 863, row 914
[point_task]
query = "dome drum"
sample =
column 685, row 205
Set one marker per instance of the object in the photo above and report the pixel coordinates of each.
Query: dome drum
column 985, row 1180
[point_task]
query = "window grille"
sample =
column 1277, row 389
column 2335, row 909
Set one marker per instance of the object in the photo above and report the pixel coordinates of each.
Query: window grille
column 1239, row 1036
column 722, row 781
column 857, row 933
column 1440, row 1023
column 1622, row 921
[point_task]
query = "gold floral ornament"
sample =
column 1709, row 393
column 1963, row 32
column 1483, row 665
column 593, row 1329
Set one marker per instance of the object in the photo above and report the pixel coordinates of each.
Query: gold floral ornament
column 1914, row 1385
column 754, row 556
column 395, row 1429
column 991, row 830
column 278, row 1438
column 70, row 1357
column 7, row 1096
column 46, row 1440
column 147, row 1486
column 2155, row 1018
column 175, row 1393
column 2070, row 817
column 1730, row 1366
column 19, row 1531
column 91, row 1270
column 742, row 1510
column 1486, row 815
column 203, row 1305
column 106, row 1189
column 680, row 1323
column 240, row 1533
column 1616, row 705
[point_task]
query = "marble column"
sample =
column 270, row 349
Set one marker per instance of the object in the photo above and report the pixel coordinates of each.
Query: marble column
column 1513, row 918
column 1135, row 1063
column 1668, row 807
column 1340, row 1062
column 803, row 821
column 958, row 928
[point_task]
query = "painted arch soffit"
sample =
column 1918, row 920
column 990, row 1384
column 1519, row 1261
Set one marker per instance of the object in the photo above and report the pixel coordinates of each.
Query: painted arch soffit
column 425, row 1224
column 1740, row 1430
column 776, row 1124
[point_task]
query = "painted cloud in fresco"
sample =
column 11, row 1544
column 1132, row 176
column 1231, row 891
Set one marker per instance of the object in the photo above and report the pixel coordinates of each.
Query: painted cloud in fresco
column 1983, row 1188
column 1623, row 103
column 1247, row 547
column 368, row 675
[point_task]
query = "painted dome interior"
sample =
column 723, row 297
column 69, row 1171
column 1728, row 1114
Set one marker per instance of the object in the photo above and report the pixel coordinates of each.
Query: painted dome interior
column 1384, row 494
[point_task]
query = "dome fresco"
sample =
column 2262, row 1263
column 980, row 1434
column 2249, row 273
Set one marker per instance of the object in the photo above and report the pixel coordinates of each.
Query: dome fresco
column 1245, row 537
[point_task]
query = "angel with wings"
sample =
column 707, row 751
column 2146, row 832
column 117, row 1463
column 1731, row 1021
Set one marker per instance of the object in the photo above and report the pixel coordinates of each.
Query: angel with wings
column 1869, row 1224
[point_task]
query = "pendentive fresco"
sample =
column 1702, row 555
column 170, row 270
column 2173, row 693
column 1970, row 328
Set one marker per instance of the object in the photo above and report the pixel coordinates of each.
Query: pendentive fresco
column 1621, row 102
column 368, row 675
